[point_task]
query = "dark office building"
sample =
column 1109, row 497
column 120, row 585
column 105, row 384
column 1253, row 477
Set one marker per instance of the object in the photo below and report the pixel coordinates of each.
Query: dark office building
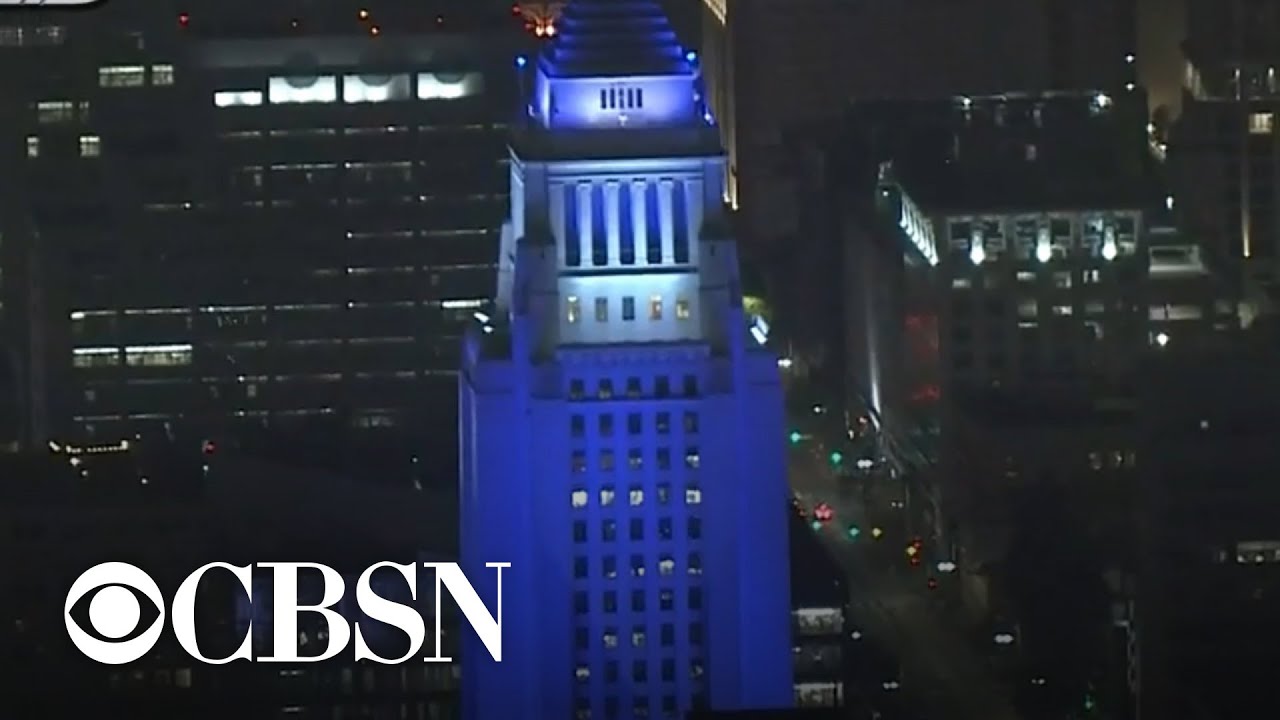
column 769, row 65
column 1204, row 620
column 247, row 215
column 169, row 510
column 1224, row 148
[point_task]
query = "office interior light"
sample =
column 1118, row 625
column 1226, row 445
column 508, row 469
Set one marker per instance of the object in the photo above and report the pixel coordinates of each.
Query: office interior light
column 237, row 98
column 301, row 89
column 375, row 88
column 977, row 253
column 1109, row 249
column 1044, row 249
column 449, row 86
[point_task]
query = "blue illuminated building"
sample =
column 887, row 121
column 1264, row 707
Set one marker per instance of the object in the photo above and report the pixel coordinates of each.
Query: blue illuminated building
column 622, row 433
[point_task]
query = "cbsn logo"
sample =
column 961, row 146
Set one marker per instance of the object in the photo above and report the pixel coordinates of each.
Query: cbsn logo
column 115, row 613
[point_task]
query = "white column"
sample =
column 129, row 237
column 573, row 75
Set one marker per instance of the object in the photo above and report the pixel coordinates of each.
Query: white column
column 639, row 222
column 613, row 235
column 556, row 199
column 584, row 222
column 666, row 188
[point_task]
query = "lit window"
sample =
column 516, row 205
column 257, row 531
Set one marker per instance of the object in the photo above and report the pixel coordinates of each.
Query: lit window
column 33, row 146
column 574, row 309
column 637, row 565
column 635, row 460
column 1062, row 310
column 691, row 458
column 610, row 569
column 961, row 283
column 122, row 76
column 602, row 309
column 582, row 673
column 655, row 307
column 628, row 309
column 610, row 639
column 695, row 564
column 55, row 111
column 302, row 89
column 1260, row 123
column 666, row 566
column 606, row 497
column 1026, row 276
column 158, row 355
column 636, row 497
column 161, row 74
column 682, row 309
column 449, row 86
column 1062, row 280
column 376, row 88
column 11, row 36
column 1091, row 277
column 90, row 146
column 237, row 98
column 637, row 637
column 579, row 498
column 89, row 357
column 693, row 496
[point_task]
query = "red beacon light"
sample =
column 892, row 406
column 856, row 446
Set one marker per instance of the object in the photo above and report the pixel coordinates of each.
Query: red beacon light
column 209, row 447
column 184, row 19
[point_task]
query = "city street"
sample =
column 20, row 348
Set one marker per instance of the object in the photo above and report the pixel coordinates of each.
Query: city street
column 943, row 675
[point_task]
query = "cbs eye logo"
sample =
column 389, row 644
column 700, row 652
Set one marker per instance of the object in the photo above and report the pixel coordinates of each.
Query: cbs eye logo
column 111, row 600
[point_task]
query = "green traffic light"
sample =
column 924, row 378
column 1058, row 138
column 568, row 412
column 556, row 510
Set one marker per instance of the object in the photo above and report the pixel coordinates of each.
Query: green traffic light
column 837, row 458
column 816, row 525
column 795, row 437
column 854, row 532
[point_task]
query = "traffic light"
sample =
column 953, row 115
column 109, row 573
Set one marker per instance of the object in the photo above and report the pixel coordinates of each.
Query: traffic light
column 837, row 457
column 795, row 436
column 933, row 583
column 853, row 532
column 816, row 525
column 877, row 533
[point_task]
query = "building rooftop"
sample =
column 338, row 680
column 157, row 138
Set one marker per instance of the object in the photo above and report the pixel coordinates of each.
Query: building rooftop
column 1053, row 151
column 614, row 38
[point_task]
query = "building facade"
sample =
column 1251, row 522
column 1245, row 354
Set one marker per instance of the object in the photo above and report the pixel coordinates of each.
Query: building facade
column 1224, row 147
column 246, row 216
column 622, row 428
column 770, row 65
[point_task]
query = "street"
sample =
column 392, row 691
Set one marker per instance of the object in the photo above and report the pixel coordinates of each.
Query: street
column 943, row 674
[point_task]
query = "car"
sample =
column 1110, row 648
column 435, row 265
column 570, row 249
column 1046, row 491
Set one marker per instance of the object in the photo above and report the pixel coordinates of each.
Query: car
column 822, row 512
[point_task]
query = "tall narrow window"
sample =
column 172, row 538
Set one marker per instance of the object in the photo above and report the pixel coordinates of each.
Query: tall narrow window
column 626, row 226
column 604, row 99
column 33, row 146
column 628, row 308
column 602, row 309
column 572, row 246
column 574, row 309
column 655, row 307
column 639, row 97
column 680, row 222
column 653, row 224
column 682, row 309
column 599, row 233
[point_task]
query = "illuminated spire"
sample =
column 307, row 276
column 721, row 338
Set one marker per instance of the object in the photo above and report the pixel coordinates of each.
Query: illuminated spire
column 614, row 38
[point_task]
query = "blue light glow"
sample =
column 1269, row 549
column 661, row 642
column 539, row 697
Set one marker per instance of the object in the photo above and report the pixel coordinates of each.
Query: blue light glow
column 521, row 61
column 691, row 56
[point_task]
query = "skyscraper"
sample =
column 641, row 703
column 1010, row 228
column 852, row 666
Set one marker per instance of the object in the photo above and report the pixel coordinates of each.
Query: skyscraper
column 622, row 424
